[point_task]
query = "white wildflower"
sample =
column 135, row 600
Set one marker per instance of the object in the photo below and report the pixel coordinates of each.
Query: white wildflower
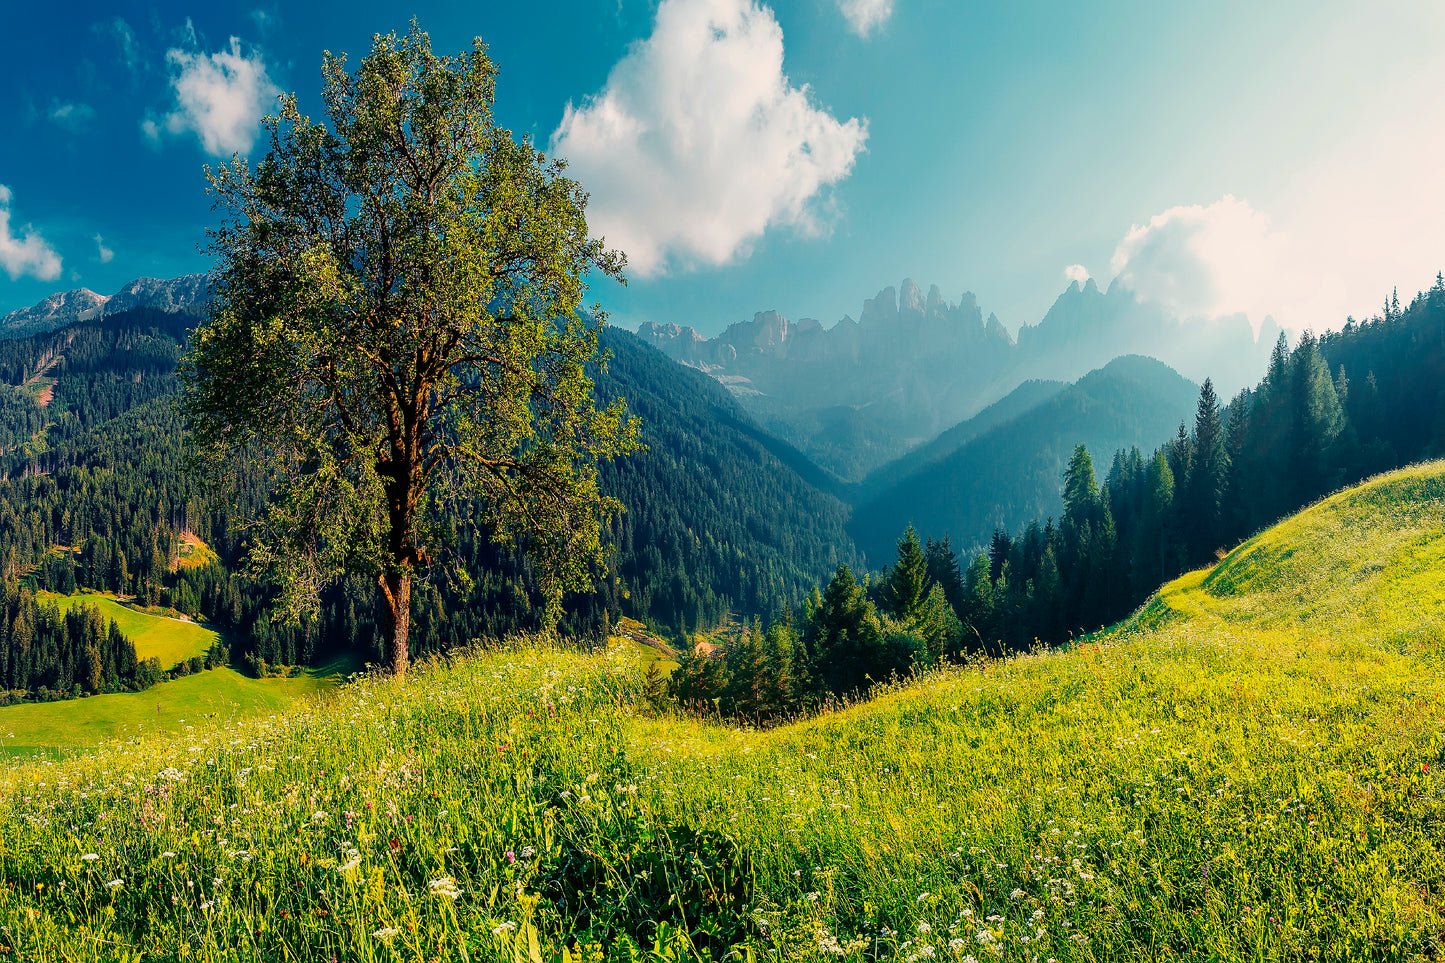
column 446, row 888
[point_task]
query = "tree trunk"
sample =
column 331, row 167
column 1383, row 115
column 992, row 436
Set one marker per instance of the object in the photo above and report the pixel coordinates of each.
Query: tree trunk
column 396, row 588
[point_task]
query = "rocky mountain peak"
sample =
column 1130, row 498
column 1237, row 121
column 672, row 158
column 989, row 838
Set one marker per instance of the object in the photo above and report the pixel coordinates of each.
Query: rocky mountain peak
column 184, row 293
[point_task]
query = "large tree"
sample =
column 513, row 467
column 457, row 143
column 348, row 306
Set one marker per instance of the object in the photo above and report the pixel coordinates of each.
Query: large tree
column 397, row 343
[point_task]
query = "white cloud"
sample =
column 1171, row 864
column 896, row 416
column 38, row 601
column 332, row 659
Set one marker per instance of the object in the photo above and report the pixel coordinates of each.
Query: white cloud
column 130, row 51
column 864, row 15
column 71, row 116
column 698, row 142
column 1076, row 272
column 1209, row 261
column 220, row 97
column 105, row 254
column 24, row 251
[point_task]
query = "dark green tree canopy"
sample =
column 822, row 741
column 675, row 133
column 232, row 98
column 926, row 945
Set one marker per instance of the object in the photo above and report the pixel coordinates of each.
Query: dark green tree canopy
column 397, row 331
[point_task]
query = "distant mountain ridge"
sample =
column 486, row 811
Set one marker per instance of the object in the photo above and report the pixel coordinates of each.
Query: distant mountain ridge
column 1010, row 472
column 861, row 393
column 185, row 293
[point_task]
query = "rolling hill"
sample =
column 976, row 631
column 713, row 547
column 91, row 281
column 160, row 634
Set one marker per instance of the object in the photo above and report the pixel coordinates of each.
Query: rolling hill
column 154, row 636
column 1010, row 473
column 1247, row 769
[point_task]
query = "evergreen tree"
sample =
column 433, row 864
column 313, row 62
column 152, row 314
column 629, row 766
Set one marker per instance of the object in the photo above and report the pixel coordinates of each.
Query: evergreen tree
column 1208, row 475
column 843, row 636
column 943, row 570
column 907, row 581
column 1081, row 488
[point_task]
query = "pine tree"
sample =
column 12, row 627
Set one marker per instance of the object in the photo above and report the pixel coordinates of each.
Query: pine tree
column 1081, row 488
column 907, row 581
column 943, row 570
column 1208, row 471
column 978, row 619
column 1152, row 547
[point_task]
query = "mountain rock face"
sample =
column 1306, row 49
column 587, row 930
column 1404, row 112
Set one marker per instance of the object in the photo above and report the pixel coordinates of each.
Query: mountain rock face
column 861, row 393
column 185, row 293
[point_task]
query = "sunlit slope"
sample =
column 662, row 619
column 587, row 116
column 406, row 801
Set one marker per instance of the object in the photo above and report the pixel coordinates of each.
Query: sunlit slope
column 154, row 636
column 1250, row 769
column 200, row 701
column 1366, row 563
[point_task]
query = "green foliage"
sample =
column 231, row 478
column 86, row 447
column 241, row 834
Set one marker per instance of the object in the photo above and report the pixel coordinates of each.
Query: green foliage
column 647, row 876
column 396, row 328
column 906, row 582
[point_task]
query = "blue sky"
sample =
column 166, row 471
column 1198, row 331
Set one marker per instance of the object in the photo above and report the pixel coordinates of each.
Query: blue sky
column 1272, row 158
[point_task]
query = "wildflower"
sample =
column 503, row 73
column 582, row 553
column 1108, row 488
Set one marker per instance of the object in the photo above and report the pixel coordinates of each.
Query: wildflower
column 984, row 937
column 445, row 888
column 956, row 944
column 922, row 897
column 318, row 817
column 502, row 928
column 386, row 933
column 114, row 883
column 90, row 857
column 349, row 865
column 168, row 854
column 1016, row 894
column 926, row 952
column 923, row 927
column 171, row 774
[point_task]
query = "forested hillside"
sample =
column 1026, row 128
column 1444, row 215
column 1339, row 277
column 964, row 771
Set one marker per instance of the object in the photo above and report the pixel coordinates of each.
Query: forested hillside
column 720, row 518
column 1009, row 473
column 1334, row 410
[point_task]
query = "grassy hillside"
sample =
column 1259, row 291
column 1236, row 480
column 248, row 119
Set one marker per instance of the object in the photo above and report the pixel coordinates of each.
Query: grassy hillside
column 1249, row 769
column 167, row 639
column 203, row 700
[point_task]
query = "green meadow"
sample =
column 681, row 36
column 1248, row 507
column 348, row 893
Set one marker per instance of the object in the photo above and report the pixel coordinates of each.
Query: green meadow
column 201, row 701
column 1247, row 769
column 168, row 639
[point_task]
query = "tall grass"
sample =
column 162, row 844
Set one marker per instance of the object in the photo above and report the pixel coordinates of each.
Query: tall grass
column 1213, row 780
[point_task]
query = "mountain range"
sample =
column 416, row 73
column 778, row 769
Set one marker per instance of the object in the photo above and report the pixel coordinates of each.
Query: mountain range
column 184, row 293
column 861, row 393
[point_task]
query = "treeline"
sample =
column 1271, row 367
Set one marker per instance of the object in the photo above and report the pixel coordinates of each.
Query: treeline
column 847, row 638
column 47, row 653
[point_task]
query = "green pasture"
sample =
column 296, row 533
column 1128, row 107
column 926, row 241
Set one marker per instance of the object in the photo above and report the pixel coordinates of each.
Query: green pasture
column 170, row 640
column 201, row 701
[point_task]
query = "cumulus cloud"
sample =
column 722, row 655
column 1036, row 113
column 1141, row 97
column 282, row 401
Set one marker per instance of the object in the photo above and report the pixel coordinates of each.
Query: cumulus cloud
column 865, row 15
column 1208, row 261
column 699, row 142
column 23, row 251
column 1076, row 272
column 220, row 97
column 104, row 253
column 71, row 116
